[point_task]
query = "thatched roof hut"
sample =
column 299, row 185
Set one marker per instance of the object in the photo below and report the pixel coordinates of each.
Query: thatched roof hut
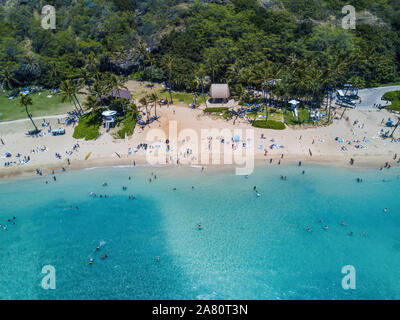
column 219, row 91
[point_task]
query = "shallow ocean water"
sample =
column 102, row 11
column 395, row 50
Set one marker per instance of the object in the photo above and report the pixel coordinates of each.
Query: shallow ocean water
column 249, row 248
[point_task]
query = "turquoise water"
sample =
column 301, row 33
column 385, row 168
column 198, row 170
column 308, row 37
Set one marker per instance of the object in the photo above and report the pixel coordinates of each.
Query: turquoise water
column 249, row 248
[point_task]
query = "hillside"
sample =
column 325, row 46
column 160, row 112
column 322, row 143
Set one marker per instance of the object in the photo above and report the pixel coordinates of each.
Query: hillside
column 181, row 40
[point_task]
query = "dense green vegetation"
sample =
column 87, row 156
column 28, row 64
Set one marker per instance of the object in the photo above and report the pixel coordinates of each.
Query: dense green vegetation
column 128, row 126
column 88, row 127
column 190, row 43
column 394, row 98
column 216, row 109
column 269, row 124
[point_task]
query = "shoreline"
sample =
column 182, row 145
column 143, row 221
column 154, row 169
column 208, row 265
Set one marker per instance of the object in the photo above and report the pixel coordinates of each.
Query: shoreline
column 371, row 162
column 357, row 136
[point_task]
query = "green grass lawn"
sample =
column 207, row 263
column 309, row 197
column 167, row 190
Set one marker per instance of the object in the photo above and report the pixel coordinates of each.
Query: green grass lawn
column 303, row 117
column 178, row 97
column 182, row 97
column 394, row 98
column 42, row 106
column 275, row 114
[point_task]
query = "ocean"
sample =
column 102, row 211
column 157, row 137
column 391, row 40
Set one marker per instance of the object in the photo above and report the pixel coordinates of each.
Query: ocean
column 249, row 246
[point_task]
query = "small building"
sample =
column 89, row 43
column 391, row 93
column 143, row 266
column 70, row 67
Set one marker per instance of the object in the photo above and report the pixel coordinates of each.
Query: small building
column 219, row 93
column 294, row 104
column 124, row 94
column 109, row 119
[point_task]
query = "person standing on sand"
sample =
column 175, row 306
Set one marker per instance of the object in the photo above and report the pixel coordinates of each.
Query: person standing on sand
column 2, row 142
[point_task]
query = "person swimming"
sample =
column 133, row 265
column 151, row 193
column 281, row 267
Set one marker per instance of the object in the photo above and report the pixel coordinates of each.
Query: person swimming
column 325, row 227
column 343, row 224
column 385, row 210
column 308, row 229
column 91, row 261
column 104, row 256
column 158, row 259
column 199, row 226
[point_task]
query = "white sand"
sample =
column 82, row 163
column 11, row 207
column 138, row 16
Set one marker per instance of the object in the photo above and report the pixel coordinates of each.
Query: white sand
column 325, row 149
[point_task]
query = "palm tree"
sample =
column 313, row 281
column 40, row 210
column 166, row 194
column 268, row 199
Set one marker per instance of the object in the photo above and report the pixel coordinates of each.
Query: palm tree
column 68, row 92
column 144, row 102
column 86, row 77
column 77, row 86
column 26, row 101
column 92, row 103
column 99, row 89
column 233, row 73
column 153, row 98
column 201, row 80
column 32, row 66
column 395, row 127
column 169, row 65
column 213, row 65
column 133, row 109
column 7, row 78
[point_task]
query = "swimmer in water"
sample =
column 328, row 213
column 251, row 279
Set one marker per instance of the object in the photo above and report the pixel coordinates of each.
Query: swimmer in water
column 325, row 227
column 385, row 210
column 343, row 224
column 98, row 248
column 351, row 233
column 90, row 261
column 199, row 226
column 308, row 229
column 158, row 259
column 104, row 256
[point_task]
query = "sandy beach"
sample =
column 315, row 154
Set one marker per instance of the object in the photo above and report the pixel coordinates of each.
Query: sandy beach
column 313, row 145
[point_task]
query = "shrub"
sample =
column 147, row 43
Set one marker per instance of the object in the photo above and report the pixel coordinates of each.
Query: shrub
column 392, row 95
column 219, row 109
column 269, row 124
column 394, row 98
column 128, row 126
column 88, row 127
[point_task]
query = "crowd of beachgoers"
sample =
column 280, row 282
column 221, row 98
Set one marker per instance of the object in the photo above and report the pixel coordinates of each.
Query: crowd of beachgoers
column 364, row 136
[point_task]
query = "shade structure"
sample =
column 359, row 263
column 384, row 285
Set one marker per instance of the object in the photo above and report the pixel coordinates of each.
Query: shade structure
column 125, row 94
column 109, row 113
column 219, row 91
